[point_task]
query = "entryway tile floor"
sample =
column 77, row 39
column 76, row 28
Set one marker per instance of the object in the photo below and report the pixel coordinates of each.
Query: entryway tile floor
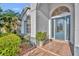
column 52, row 48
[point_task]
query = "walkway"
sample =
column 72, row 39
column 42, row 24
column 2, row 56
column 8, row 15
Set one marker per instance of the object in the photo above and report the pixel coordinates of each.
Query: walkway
column 53, row 48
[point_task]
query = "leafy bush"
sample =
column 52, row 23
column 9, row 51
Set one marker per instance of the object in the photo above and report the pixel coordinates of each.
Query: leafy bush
column 40, row 36
column 9, row 45
column 4, row 34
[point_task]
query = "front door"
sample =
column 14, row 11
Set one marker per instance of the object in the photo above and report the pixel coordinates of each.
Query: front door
column 60, row 28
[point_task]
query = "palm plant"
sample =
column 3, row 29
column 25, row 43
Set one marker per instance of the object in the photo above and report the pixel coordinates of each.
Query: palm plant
column 10, row 20
column 14, row 23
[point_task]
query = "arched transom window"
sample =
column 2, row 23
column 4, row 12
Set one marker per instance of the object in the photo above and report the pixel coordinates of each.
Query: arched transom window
column 60, row 10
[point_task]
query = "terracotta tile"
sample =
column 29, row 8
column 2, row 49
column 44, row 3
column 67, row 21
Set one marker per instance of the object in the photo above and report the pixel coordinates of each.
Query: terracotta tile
column 51, row 49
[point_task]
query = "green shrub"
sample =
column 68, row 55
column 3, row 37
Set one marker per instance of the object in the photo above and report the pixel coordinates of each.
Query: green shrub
column 4, row 34
column 40, row 36
column 9, row 45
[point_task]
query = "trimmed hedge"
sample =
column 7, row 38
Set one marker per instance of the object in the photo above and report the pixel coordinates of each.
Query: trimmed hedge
column 9, row 45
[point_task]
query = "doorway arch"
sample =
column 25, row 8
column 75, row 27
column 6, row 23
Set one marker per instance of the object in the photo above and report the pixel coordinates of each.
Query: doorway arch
column 59, row 24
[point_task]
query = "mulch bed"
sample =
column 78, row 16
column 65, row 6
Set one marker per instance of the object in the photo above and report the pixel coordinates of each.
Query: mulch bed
column 24, row 49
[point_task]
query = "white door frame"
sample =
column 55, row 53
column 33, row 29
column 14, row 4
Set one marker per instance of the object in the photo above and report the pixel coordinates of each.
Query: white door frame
column 50, row 21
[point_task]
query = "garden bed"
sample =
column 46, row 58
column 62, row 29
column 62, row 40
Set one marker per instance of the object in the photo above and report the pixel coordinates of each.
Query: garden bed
column 24, row 49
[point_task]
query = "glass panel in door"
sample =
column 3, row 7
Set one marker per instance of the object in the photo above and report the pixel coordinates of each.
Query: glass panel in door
column 68, row 27
column 60, row 28
column 52, row 28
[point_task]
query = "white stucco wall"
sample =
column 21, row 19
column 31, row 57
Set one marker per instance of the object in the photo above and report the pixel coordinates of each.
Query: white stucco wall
column 76, row 29
column 77, row 25
column 42, row 17
column 33, row 20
